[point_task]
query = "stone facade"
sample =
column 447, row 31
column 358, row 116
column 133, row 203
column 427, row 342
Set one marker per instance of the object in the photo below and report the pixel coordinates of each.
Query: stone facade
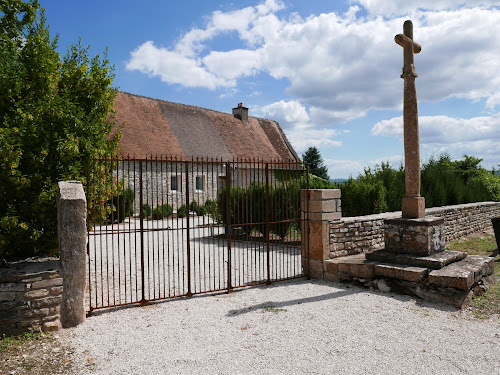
column 158, row 176
column 30, row 296
column 355, row 235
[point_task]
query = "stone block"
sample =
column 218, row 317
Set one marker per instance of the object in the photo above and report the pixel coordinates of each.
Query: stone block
column 318, row 240
column 322, row 206
column 56, row 290
column 48, row 301
column 423, row 236
column 434, row 261
column 38, row 293
column 354, row 265
column 54, row 325
column 462, row 275
column 413, row 207
column 319, row 194
column 47, row 283
column 7, row 296
column 11, row 287
column 401, row 272
column 315, row 268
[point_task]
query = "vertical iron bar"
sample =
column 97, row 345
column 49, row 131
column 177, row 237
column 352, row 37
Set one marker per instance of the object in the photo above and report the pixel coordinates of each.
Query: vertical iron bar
column 189, row 293
column 306, row 226
column 228, row 224
column 267, row 225
column 141, row 230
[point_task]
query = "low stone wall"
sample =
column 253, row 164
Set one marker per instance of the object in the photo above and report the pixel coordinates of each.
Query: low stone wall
column 45, row 294
column 30, row 296
column 354, row 235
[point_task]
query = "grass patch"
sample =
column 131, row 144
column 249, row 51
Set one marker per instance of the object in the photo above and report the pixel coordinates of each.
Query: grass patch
column 33, row 353
column 488, row 304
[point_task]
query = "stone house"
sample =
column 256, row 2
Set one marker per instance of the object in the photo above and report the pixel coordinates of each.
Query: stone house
column 168, row 134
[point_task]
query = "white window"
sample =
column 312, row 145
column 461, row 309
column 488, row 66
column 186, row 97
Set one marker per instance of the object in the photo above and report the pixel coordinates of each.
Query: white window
column 200, row 183
column 175, row 183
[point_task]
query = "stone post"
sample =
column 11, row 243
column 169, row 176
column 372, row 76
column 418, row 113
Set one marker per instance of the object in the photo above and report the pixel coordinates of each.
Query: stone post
column 320, row 208
column 72, row 230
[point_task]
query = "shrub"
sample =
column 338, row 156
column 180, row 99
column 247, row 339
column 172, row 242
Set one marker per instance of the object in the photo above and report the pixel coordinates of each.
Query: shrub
column 212, row 209
column 196, row 207
column 146, row 210
column 55, row 114
column 363, row 198
column 248, row 206
column 123, row 205
column 182, row 211
column 162, row 211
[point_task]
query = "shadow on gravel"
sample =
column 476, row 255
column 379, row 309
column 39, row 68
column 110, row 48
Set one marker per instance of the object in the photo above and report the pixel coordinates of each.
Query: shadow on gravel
column 347, row 290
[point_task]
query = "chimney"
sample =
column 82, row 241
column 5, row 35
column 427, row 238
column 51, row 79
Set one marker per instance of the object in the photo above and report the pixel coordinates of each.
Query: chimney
column 241, row 112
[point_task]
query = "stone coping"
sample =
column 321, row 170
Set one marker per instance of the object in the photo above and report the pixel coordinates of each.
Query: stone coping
column 426, row 221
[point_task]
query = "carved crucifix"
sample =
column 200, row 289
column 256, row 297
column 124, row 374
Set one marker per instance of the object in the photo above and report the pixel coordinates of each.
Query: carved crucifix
column 413, row 205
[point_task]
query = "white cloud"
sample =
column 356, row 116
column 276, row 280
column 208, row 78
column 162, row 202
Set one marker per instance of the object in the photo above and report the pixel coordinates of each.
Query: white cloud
column 340, row 67
column 288, row 114
column 300, row 131
column 394, row 160
column 173, row 68
column 233, row 64
column 302, row 139
column 343, row 168
column 493, row 101
column 478, row 136
column 402, row 7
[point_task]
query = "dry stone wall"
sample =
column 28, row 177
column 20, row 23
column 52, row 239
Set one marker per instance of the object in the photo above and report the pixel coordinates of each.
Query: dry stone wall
column 30, row 296
column 354, row 235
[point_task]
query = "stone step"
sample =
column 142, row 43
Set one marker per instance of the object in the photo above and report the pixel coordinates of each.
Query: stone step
column 401, row 272
column 463, row 274
column 434, row 261
column 352, row 265
column 358, row 266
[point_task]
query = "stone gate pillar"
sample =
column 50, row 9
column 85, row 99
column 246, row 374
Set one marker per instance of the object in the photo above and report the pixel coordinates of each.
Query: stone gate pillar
column 72, row 230
column 319, row 208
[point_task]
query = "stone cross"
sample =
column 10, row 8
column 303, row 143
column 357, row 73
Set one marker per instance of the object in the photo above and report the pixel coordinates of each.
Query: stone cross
column 413, row 205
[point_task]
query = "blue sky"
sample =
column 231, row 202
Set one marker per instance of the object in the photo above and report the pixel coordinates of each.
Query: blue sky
column 327, row 71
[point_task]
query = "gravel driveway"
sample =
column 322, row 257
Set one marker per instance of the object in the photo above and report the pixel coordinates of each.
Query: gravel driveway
column 295, row 327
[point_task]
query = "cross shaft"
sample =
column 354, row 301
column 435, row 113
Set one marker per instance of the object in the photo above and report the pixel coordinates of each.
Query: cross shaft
column 413, row 205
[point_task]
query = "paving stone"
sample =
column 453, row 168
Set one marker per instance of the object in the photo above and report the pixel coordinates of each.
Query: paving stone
column 462, row 275
column 434, row 261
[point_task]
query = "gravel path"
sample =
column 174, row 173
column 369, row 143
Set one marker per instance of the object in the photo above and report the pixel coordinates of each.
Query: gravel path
column 296, row 327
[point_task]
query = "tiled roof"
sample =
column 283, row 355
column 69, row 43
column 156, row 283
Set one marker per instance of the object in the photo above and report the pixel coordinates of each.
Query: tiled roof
column 160, row 127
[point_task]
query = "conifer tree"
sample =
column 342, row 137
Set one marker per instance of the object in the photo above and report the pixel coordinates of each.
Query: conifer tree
column 315, row 162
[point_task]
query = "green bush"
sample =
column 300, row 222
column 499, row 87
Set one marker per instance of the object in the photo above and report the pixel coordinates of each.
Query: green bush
column 162, row 211
column 146, row 210
column 285, row 206
column 248, row 206
column 212, row 209
column 197, row 208
column 182, row 211
column 56, row 112
column 363, row 198
column 123, row 205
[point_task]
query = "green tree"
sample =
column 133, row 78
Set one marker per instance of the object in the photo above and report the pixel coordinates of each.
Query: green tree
column 55, row 114
column 315, row 162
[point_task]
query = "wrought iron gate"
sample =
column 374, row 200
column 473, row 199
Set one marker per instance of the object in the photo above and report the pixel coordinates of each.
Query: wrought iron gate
column 161, row 227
